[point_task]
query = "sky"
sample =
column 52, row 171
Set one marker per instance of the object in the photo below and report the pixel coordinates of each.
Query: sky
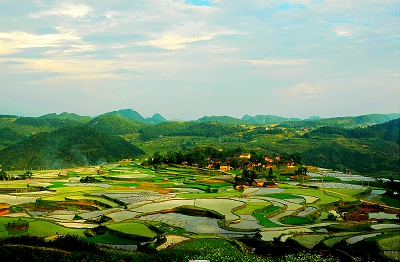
column 186, row 59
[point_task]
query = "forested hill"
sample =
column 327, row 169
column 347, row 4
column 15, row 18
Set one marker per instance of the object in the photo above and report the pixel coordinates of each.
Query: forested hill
column 389, row 131
column 67, row 147
column 206, row 129
column 67, row 116
column 345, row 122
column 115, row 124
column 130, row 114
column 267, row 119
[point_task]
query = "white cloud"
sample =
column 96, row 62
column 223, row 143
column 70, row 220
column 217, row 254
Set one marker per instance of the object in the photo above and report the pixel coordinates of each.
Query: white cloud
column 173, row 41
column 65, row 9
column 189, row 32
column 301, row 91
column 11, row 42
column 278, row 62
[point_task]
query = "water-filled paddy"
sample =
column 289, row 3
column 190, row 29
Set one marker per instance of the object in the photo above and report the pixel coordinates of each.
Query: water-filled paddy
column 355, row 239
column 201, row 225
column 247, row 222
column 223, row 206
column 16, row 200
column 383, row 226
column 155, row 207
column 94, row 214
column 139, row 196
column 382, row 215
column 306, row 211
column 123, row 215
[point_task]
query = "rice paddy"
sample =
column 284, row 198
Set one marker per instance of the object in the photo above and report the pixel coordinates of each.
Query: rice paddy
column 133, row 206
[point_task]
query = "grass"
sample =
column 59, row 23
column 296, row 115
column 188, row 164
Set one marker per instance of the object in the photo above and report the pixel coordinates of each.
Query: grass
column 127, row 184
column 324, row 198
column 309, row 240
column 132, row 228
column 283, row 196
column 262, row 216
column 44, row 229
column 349, row 192
column 199, row 249
column 97, row 200
column 391, row 201
column 385, row 235
column 343, row 197
column 390, row 243
column 39, row 228
column 112, row 239
column 57, row 184
column 390, row 246
column 13, row 186
column 296, row 220
column 251, row 207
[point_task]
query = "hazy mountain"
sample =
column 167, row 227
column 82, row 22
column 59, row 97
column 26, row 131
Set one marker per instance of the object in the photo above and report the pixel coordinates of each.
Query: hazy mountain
column 314, row 118
column 267, row 119
column 128, row 114
column 67, row 116
column 67, row 147
column 115, row 124
column 221, row 120
column 155, row 119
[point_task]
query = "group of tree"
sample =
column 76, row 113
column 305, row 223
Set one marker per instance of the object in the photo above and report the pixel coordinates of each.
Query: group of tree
column 7, row 177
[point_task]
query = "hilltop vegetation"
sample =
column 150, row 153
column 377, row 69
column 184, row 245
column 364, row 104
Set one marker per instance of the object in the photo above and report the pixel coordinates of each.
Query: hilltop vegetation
column 67, row 147
column 115, row 124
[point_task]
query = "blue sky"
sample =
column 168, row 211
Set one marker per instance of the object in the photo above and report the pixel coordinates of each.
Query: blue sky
column 188, row 59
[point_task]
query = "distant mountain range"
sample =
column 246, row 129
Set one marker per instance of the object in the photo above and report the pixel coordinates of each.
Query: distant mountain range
column 132, row 115
column 366, row 143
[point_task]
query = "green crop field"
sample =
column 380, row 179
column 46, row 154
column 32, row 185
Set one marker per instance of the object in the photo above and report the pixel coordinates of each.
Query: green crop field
column 296, row 220
column 263, row 214
column 282, row 196
column 251, row 207
column 324, row 198
column 308, row 240
column 132, row 228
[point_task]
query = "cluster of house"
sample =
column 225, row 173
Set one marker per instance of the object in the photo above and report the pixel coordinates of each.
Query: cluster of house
column 259, row 182
column 244, row 160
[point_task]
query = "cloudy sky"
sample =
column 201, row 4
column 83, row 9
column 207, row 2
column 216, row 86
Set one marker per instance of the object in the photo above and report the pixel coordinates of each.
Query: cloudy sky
column 189, row 58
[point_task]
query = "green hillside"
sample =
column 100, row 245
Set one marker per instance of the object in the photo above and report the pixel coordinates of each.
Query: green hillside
column 115, row 124
column 222, row 120
column 67, row 116
column 67, row 147
column 128, row 114
column 156, row 119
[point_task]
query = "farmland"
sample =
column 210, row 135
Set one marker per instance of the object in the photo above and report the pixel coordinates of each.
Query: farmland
column 179, row 208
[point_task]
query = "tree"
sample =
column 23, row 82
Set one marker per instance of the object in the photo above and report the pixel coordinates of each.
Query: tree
column 4, row 175
column 235, row 163
column 170, row 158
column 156, row 159
column 270, row 172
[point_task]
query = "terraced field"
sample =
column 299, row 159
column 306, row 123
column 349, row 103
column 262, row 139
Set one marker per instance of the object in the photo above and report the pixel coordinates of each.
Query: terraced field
column 130, row 207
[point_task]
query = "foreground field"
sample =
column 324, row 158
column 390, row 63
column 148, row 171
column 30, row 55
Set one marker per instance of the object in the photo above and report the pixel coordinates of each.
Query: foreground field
column 132, row 207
